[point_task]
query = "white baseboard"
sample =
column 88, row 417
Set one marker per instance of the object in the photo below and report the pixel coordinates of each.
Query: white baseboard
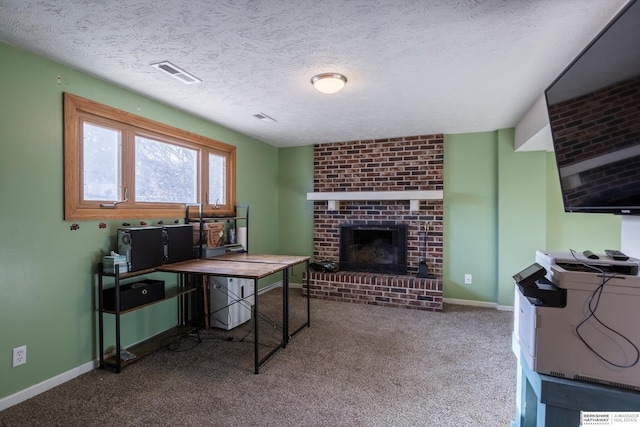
column 477, row 304
column 278, row 284
column 46, row 385
column 270, row 287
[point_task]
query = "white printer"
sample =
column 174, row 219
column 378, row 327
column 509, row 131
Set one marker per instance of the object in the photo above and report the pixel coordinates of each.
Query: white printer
column 572, row 261
column 550, row 336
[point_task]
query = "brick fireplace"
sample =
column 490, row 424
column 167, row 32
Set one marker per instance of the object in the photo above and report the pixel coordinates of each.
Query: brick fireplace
column 402, row 164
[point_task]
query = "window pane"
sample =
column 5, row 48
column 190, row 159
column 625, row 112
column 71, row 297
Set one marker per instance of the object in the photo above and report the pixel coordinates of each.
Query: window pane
column 165, row 172
column 217, row 174
column 101, row 161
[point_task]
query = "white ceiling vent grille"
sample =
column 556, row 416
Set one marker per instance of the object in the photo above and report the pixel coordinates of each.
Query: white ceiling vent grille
column 176, row 72
column 264, row 118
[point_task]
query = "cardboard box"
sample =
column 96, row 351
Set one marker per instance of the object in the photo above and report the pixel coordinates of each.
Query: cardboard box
column 216, row 234
column 213, row 234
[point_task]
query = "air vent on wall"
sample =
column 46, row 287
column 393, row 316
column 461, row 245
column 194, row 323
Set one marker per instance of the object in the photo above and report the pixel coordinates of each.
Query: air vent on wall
column 264, row 118
column 176, row 72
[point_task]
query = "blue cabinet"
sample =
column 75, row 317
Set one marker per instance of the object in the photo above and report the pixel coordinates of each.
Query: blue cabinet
column 547, row 401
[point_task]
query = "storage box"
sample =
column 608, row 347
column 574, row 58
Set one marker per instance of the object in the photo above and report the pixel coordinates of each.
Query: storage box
column 111, row 264
column 111, row 269
column 212, row 235
column 133, row 294
column 216, row 234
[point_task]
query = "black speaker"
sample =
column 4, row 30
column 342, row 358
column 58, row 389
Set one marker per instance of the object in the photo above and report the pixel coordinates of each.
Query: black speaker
column 177, row 243
column 142, row 246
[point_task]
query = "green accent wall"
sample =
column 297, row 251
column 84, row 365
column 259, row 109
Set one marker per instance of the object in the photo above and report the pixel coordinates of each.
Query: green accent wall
column 295, row 221
column 521, row 212
column 500, row 206
column 470, row 215
column 578, row 231
column 48, row 275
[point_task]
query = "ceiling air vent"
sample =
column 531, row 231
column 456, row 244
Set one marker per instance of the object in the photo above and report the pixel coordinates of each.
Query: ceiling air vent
column 176, row 72
column 264, row 118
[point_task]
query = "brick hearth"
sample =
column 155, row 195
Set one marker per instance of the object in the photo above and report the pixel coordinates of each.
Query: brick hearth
column 379, row 289
column 395, row 164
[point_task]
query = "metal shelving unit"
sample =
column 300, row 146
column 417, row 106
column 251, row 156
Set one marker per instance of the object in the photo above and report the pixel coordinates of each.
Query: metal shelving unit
column 181, row 292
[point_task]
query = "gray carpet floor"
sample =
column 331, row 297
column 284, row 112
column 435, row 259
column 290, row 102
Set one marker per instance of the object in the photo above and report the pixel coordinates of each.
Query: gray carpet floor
column 357, row 365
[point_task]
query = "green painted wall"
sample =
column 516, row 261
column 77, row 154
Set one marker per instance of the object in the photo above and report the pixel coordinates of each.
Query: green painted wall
column 502, row 206
column 47, row 271
column 470, row 215
column 295, row 221
column 521, row 212
column 578, row 231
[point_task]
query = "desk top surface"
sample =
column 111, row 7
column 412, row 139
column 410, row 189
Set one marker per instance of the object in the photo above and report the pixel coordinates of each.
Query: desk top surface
column 215, row 267
column 288, row 260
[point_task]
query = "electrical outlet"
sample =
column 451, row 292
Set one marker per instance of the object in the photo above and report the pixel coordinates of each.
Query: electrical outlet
column 468, row 279
column 19, row 356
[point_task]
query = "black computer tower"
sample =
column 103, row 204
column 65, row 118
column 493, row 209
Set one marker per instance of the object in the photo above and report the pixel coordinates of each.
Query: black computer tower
column 143, row 247
column 177, row 243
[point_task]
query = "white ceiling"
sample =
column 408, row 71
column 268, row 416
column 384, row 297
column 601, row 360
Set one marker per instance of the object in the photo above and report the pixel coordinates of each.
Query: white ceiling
column 413, row 66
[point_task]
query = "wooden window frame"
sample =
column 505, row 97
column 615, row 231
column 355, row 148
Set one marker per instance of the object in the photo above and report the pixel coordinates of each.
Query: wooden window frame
column 77, row 110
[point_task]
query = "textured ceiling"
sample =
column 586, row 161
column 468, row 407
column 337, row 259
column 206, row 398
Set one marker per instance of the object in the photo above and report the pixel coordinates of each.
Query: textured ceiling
column 413, row 66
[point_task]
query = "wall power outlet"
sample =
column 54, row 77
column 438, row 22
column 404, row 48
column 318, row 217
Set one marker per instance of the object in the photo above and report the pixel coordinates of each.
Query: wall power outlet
column 19, row 356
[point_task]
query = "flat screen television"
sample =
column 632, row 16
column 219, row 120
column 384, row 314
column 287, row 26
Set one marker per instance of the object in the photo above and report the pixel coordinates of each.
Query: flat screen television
column 594, row 114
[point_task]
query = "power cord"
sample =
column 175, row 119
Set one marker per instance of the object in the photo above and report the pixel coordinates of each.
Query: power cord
column 178, row 345
column 595, row 296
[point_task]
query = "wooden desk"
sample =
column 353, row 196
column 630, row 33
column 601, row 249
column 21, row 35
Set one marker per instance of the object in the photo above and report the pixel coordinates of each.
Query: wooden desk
column 216, row 267
column 252, row 267
column 289, row 261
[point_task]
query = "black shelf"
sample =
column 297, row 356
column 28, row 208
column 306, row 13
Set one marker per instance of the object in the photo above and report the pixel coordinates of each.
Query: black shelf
column 153, row 343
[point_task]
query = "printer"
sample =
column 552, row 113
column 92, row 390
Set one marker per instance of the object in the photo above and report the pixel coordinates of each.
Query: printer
column 572, row 261
column 590, row 333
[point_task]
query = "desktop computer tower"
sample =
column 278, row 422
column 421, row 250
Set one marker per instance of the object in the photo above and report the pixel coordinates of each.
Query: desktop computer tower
column 177, row 243
column 230, row 301
column 142, row 247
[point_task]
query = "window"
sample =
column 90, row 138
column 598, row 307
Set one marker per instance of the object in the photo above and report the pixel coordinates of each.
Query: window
column 119, row 165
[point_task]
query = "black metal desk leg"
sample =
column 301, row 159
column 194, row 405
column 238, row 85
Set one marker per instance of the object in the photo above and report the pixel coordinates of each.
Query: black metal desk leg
column 308, row 296
column 255, row 327
column 285, row 307
column 100, row 317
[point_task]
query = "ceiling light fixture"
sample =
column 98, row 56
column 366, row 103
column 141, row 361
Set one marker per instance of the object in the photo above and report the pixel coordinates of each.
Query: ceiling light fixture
column 328, row 82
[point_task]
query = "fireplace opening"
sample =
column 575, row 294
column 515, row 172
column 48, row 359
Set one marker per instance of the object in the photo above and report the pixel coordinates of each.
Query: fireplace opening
column 374, row 248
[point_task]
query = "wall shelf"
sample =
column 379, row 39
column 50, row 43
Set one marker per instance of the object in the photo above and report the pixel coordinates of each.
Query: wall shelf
column 334, row 198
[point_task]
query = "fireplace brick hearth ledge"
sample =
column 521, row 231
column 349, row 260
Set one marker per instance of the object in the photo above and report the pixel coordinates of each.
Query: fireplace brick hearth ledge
column 377, row 289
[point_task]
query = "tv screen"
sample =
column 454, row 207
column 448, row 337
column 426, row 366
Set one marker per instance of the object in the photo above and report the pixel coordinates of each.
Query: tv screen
column 594, row 114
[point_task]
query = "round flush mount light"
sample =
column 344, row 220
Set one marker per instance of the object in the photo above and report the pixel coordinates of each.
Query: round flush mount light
column 328, row 82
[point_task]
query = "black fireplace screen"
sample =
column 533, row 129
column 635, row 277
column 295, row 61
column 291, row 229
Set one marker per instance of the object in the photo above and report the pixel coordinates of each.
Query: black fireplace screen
column 374, row 248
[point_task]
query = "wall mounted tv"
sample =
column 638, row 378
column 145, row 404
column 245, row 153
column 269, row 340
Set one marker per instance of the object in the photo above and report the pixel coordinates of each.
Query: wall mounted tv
column 594, row 113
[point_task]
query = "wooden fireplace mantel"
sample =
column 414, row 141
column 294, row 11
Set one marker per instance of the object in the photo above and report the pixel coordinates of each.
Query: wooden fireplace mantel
column 334, row 198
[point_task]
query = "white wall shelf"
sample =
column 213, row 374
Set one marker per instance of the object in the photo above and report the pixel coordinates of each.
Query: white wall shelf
column 334, row 198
